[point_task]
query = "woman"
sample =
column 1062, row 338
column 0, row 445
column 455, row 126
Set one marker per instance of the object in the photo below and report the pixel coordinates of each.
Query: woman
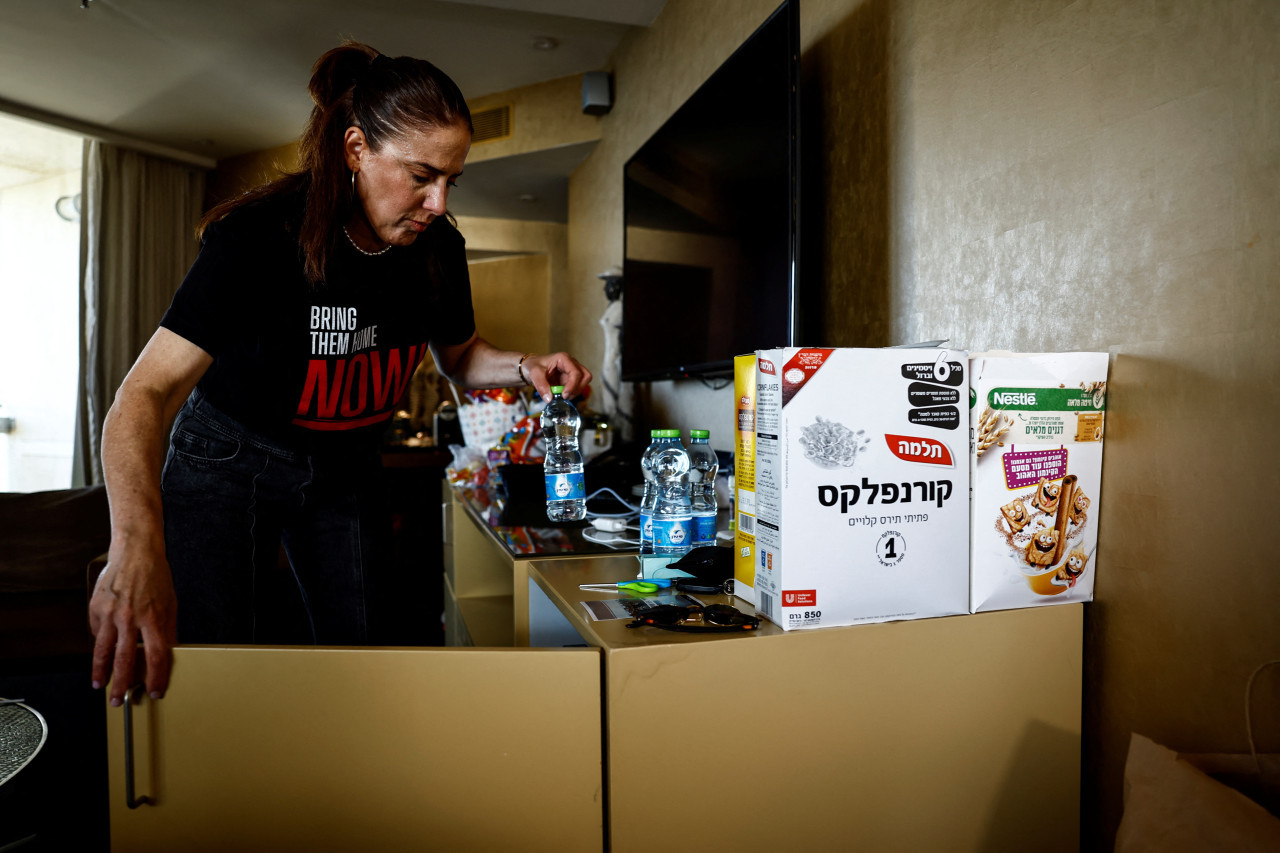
column 282, row 357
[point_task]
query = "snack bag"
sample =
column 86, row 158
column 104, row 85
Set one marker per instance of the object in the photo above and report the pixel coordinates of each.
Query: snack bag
column 1036, row 429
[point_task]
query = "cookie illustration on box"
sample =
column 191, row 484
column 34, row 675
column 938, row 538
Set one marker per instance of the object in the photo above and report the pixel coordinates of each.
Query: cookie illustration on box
column 1070, row 571
column 1046, row 498
column 1042, row 548
column 1079, row 503
column 1015, row 513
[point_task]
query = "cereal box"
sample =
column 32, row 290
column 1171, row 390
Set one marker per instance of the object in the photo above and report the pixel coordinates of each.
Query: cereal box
column 744, row 477
column 1036, row 428
column 862, row 511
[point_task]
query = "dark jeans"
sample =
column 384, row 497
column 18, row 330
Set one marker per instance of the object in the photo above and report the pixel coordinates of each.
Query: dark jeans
column 231, row 498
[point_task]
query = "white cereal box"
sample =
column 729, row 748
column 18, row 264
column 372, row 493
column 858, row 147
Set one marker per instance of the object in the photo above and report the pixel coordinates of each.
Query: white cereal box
column 862, row 486
column 1036, row 429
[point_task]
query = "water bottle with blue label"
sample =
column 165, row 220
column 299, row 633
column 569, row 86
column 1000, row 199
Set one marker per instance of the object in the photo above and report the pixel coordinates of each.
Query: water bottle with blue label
column 703, row 467
column 650, row 491
column 672, row 515
column 562, row 468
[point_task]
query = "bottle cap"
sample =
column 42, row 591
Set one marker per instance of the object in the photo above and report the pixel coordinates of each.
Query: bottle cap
column 671, row 433
column 699, row 433
column 655, row 433
column 557, row 389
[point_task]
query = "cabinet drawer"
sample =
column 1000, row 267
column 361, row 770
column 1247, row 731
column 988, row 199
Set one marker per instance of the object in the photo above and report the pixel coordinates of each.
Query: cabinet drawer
column 365, row 749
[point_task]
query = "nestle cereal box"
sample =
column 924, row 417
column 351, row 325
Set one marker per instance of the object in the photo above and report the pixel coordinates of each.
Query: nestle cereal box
column 1037, row 423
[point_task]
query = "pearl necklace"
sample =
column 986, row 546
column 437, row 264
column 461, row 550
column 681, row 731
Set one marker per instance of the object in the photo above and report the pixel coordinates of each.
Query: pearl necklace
column 356, row 246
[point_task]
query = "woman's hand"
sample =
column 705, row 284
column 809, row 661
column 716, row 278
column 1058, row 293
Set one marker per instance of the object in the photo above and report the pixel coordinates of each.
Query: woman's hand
column 133, row 599
column 557, row 368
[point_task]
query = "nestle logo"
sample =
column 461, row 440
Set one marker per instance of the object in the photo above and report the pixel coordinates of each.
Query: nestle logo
column 1022, row 398
column 766, row 366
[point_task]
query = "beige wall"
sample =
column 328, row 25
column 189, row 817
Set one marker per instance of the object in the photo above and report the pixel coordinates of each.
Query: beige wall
column 1046, row 175
column 517, row 236
column 511, row 299
column 544, row 115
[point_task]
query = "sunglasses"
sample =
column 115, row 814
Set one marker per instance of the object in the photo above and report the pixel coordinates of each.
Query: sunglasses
column 696, row 618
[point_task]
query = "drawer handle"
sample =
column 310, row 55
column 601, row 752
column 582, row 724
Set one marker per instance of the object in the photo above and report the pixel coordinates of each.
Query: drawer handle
column 132, row 695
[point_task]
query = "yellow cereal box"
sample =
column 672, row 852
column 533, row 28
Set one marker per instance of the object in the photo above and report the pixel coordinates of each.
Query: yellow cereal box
column 744, row 476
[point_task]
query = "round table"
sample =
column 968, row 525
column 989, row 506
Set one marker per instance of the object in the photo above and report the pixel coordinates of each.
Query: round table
column 22, row 734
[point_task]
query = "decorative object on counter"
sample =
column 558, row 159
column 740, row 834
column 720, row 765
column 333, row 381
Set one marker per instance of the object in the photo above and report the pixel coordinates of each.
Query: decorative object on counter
column 562, row 466
column 616, row 403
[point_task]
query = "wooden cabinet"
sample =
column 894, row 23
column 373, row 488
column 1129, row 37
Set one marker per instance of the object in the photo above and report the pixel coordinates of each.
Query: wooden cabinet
column 365, row 749
column 960, row 733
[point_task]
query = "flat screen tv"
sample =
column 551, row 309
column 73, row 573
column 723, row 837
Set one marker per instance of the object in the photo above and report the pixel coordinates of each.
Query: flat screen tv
column 711, row 205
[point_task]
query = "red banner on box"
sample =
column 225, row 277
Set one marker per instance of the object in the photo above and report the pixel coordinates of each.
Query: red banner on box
column 799, row 598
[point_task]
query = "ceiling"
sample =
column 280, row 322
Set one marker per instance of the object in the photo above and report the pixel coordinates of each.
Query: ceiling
column 224, row 77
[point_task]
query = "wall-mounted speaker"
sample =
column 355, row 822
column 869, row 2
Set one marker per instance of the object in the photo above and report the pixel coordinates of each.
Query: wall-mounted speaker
column 597, row 93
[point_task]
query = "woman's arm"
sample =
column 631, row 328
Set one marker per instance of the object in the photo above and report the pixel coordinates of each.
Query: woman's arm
column 479, row 364
column 134, row 595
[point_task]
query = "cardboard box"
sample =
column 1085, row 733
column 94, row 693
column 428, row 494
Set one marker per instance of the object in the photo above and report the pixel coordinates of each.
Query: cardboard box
column 862, row 511
column 744, row 477
column 1036, row 428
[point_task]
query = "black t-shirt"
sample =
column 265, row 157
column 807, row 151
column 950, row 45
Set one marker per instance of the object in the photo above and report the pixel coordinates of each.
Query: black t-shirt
column 317, row 367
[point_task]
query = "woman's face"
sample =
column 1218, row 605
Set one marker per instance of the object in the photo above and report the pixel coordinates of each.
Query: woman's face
column 404, row 185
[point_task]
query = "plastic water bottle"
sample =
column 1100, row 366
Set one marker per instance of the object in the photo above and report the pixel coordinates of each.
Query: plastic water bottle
column 703, row 467
column 672, row 516
column 650, row 491
column 562, row 468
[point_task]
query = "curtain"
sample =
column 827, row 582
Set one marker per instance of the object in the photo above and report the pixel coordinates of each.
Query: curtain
column 137, row 240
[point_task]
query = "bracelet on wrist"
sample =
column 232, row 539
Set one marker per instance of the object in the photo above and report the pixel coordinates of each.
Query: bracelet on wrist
column 524, row 380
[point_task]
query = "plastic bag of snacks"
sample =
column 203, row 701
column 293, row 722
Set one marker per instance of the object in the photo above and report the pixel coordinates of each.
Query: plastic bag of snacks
column 468, row 468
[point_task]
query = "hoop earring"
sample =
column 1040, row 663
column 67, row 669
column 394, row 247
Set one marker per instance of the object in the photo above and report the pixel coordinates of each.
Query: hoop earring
column 353, row 183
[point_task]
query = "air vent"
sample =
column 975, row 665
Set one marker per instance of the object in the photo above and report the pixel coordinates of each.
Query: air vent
column 491, row 124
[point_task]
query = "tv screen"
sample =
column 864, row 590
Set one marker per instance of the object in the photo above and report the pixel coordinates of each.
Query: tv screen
column 710, row 215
